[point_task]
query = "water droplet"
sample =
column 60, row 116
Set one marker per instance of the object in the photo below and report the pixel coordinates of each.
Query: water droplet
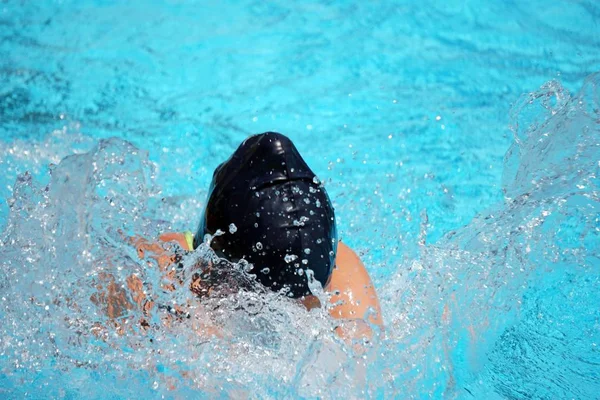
column 305, row 262
column 307, row 251
column 232, row 228
column 265, row 270
column 316, row 180
column 259, row 245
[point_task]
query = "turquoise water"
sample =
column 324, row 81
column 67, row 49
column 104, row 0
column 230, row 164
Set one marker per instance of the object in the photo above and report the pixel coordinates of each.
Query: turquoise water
column 458, row 140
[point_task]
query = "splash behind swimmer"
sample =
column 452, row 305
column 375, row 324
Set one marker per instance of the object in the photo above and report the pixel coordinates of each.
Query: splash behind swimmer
column 283, row 218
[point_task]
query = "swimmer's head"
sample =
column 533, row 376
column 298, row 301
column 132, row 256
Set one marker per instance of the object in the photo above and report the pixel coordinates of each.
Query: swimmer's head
column 274, row 213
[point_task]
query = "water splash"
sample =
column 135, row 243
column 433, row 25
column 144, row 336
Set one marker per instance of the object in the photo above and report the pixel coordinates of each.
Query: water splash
column 486, row 311
column 458, row 313
column 86, row 298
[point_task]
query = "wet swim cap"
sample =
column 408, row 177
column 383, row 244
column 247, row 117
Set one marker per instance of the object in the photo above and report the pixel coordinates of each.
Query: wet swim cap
column 283, row 220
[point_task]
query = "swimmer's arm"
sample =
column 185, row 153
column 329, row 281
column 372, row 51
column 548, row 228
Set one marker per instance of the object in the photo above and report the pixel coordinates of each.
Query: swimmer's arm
column 114, row 299
column 116, row 302
column 144, row 245
column 354, row 297
column 203, row 326
column 110, row 297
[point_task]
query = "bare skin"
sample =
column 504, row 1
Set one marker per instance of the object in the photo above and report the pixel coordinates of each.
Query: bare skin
column 353, row 297
column 353, row 294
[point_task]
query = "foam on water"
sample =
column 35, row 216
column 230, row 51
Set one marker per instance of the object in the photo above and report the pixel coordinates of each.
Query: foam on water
column 504, row 306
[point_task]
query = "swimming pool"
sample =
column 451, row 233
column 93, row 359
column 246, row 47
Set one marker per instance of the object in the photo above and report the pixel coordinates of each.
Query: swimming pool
column 487, row 265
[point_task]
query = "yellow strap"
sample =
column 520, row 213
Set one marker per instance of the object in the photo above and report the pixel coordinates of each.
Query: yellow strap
column 189, row 240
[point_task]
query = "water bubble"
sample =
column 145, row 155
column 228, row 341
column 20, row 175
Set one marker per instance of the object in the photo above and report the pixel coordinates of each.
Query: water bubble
column 307, row 251
column 301, row 221
column 316, row 180
column 265, row 270
column 290, row 257
column 232, row 228
column 259, row 245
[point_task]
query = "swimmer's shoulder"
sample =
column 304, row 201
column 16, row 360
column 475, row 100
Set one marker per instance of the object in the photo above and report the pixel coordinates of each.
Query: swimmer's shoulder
column 353, row 291
column 183, row 239
column 354, row 295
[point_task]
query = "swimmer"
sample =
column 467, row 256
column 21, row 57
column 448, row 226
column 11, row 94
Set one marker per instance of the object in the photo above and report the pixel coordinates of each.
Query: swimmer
column 267, row 207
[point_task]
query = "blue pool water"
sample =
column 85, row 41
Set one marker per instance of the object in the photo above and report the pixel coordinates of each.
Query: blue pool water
column 459, row 141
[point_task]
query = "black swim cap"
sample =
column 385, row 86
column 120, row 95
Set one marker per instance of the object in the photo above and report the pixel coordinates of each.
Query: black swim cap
column 283, row 220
